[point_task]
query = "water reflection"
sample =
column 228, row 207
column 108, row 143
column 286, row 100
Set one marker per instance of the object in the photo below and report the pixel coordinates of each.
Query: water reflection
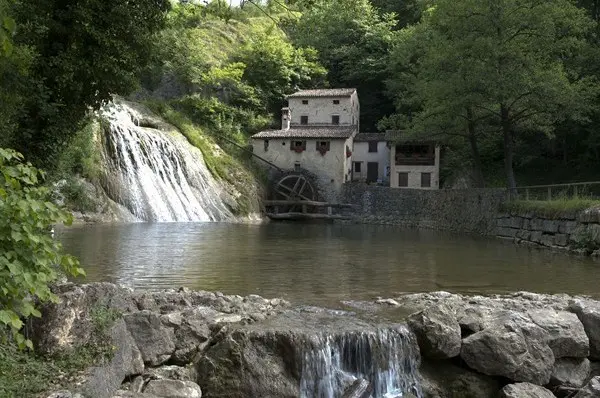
column 318, row 264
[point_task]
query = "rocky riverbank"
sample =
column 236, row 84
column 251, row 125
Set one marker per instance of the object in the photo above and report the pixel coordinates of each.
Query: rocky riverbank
column 181, row 343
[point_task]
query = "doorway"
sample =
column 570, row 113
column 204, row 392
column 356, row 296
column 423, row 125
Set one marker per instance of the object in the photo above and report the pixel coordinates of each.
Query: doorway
column 372, row 171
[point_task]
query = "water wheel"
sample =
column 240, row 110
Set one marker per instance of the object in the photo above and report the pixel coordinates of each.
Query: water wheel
column 294, row 187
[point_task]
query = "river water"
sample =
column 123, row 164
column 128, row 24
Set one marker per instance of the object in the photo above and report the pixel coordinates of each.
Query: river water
column 319, row 264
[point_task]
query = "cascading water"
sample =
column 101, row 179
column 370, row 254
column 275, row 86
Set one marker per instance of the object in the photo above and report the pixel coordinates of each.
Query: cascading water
column 386, row 358
column 157, row 175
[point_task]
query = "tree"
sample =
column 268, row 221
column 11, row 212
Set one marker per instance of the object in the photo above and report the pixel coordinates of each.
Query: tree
column 30, row 258
column 502, row 63
column 85, row 51
column 353, row 41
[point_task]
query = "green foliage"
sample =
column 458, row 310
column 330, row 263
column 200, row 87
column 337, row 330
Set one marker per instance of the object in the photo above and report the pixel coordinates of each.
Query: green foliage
column 500, row 70
column 28, row 374
column 353, row 41
column 29, row 258
column 81, row 156
column 550, row 208
column 83, row 53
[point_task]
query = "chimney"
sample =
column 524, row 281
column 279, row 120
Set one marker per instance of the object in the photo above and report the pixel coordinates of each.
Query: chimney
column 286, row 117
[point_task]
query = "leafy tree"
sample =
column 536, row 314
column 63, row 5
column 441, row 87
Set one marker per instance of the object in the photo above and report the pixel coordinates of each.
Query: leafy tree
column 353, row 41
column 85, row 51
column 501, row 63
column 30, row 258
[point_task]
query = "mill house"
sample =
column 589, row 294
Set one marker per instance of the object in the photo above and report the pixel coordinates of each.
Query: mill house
column 317, row 132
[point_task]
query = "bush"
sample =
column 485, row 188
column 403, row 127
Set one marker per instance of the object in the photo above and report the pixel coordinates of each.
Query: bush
column 30, row 258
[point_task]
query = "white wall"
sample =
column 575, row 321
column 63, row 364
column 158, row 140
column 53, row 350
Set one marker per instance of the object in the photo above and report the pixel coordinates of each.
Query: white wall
column 331, row 168
column 414, row 172
column 320, row 109
column 361, row 154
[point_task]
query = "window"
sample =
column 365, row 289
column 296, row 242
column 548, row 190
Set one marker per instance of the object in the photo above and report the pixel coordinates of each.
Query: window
column 303, row 119
column 336, row 102
column 266, row 145
column 373, row 146
column 402, row 179
column 304, row 102
column 323, row 146
column 425, row 180
column 357, row 167
column 335, row 119
column 298, row 146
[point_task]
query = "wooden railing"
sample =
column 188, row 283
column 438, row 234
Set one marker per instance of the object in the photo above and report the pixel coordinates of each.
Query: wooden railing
column 588, row 190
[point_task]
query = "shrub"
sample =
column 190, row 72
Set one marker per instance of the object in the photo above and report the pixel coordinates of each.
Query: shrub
column 30, row 259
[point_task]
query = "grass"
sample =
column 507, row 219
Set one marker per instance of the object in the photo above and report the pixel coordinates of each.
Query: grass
column 28, row 374
column 551, row 208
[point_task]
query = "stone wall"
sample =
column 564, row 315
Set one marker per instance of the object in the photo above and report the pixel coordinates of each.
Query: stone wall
column 575, row 231
column 461, row 210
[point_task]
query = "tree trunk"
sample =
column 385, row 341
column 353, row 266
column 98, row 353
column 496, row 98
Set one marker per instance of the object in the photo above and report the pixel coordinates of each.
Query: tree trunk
column 478, row 169
column 508, row 149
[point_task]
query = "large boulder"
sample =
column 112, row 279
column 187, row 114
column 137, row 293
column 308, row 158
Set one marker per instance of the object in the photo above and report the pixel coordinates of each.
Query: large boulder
column 591, row 390
column 173, row 389
column 443, row 379
column 308, row 354
column 437, row 331
column 103, row 380
column 513, row 347
column 155, row 341
column 589, row 315
column 70, row 322
column 525, row 390
column 567, row 334
column 570, row 372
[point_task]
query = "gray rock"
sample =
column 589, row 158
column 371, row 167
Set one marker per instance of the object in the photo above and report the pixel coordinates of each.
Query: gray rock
column 155, row 341
column 443, row 379
column 550, row 226
column 437, row 331
column 589, row 315
column 132, row 394
column 68, row 323
column 173, row 389
column 102, row 381
column 525, row 390
column 561, row 239
column 589, row 216
column 591, row 390
column 567, row 335
column 65, row 394
column 172, row 372
column 514, row 347
column 567, row 227
column 570, row 372
column 137, row 385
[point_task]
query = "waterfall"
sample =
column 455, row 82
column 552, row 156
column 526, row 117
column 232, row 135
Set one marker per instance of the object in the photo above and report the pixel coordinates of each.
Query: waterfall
column 156, row 173
column 386, row 358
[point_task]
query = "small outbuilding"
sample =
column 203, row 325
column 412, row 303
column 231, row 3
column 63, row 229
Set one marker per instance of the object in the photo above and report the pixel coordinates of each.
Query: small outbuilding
column 413, row 163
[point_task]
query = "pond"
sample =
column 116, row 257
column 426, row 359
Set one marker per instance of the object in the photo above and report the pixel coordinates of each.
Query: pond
column 319, row 264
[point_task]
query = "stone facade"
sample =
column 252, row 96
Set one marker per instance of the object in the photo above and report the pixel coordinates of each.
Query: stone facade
column 462, row 210
column 415, row 172
column 319, row 107
column 579, row 231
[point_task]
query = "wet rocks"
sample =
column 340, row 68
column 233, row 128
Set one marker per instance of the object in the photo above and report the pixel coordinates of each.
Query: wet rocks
column 156, row 341
column 591, row 390
column 570, row 372
column 437, row 331
column 173, row 389
column 589, row 315
column 525, row 390
column 514, row 348
column 567, row 337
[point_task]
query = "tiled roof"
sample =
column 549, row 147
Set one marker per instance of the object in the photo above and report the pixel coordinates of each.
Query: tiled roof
column 364, row 137
column 325, row 92
column 341, row 132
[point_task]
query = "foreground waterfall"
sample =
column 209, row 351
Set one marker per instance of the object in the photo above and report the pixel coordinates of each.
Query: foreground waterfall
column 385, row 358
column 155, row 173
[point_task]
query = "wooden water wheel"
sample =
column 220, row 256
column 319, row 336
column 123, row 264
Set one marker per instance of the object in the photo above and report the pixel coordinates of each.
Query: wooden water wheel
column 294, row 187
